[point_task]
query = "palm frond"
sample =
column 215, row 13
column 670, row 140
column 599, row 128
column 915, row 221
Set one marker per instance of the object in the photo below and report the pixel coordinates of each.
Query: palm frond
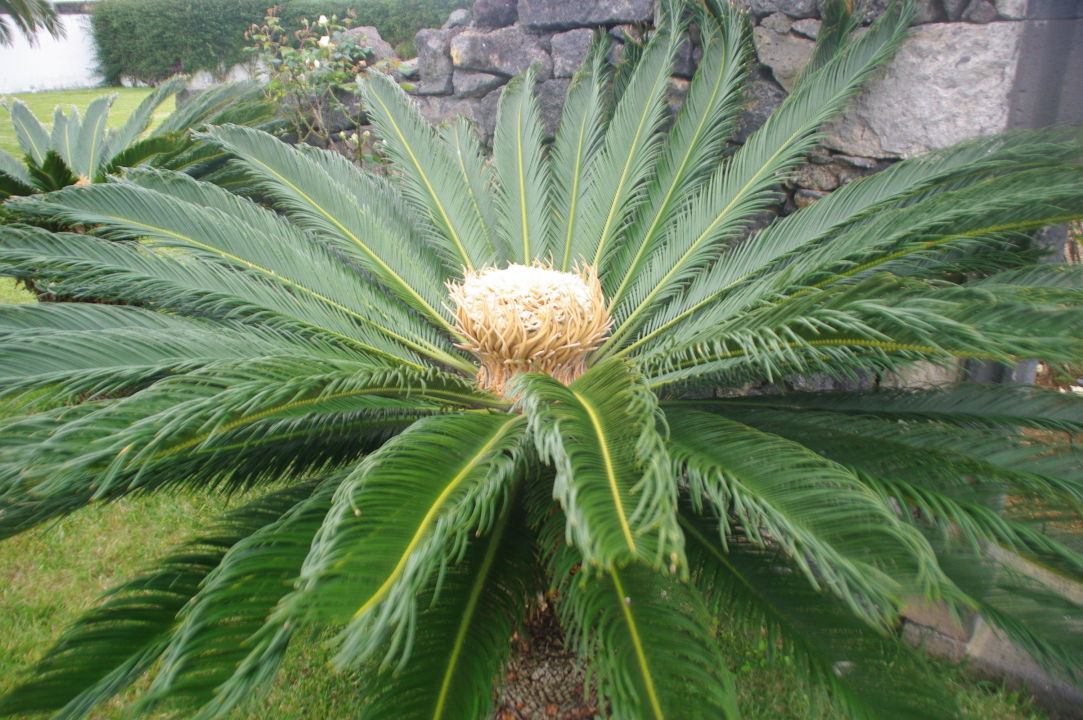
column 692, row 147
column 941, row 171
column 139, row 120
column 742, row 187
column 868, row 674
column 462, row 638
column 113, row 645
column 476, row 177
column 31, row 135
column 86, row 267
column 630, row 148
column 316, row 200
column 522, row 174
column 405, row 512
column 842, row 536
column 227, row 643
column 578, row 139
column 647, row 638
column 208, row 427
column 208, row 221
column 429, row 176
column 14, row 178
column 603, row 438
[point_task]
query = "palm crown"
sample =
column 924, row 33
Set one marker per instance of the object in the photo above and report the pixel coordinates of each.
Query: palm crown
column 310, row 341
column 82, row 149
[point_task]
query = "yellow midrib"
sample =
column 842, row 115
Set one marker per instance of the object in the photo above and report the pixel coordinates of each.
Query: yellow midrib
column 641, row 656
column 430, row 516
column 610, row 471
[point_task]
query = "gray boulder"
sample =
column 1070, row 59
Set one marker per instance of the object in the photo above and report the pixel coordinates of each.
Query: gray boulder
column 569, row 51
column 458, row 18
column 550, row 96
column 763, row 97
column 475, row 84
column 793, row 8
column 507, row 51
column 980, row 11
column 784, row 53
column 433, row 62
column 368, row 36
column 494, row 14
column 948, row 82
column 568, row 14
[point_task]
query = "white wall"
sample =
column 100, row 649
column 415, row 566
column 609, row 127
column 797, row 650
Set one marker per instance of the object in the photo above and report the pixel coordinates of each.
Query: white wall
column 50, row 64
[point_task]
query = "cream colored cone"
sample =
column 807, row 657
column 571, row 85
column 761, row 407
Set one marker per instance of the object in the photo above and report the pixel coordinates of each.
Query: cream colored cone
column 530, row 318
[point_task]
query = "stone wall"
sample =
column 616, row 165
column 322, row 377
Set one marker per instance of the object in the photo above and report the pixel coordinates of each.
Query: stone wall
column 951, row 79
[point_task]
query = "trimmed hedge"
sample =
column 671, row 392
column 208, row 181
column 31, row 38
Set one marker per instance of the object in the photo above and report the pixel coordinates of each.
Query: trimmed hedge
column 149, row 40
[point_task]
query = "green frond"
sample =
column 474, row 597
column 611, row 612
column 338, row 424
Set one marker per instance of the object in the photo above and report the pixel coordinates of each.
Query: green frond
column 692, row 147
column 95, row 350
column 113, row 645
column 90, row 268
column 922, row 452
column 647, row 638
column 31, row 135
column 742, row 186
column 430, row 176
column 88, row 153
column 13, row 171
column 745, row 271
column 462, row 638
column 476, row 178
column 602, row 435
column 523, row 181
column 138, row 122
column 404, row 513
column 628, row 153
column 228, row 642
column 578, row 139
column 209, row 222
column 209, row 427
column 869, row 675
column 316, row 200
column 842, row 536
column 962, row 404
column 837, row 27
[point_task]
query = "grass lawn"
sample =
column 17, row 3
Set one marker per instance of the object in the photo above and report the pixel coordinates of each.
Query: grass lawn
column 51, row 574
column 42, row 104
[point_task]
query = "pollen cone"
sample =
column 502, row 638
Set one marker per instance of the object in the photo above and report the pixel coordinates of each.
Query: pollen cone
column 529, row 318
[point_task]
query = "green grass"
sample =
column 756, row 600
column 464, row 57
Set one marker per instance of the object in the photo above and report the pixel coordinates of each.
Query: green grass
column 43, row 103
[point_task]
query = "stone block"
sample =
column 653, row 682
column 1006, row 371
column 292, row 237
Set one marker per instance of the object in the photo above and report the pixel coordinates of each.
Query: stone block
column 458, row 18
column 763, row 97
column 569, row 50
column 1011, row 9
column 809, row 27
column 368, row 36
column 785, row 54
column 475, row 84
column 948, row 82
column 440, row 110
column 433, row 62
column 507, row 51
column 551, row 94
column 980, row 11
column 793, row 8
column 568, row 14
column 494, row 13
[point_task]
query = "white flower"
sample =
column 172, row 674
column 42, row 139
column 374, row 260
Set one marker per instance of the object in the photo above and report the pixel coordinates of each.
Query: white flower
column 325, row 41
column 322, row 20
column 315, row 63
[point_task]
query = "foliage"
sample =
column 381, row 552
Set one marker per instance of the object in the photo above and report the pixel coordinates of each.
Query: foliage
column 304, row 347
column 28, row 17
column 149, row 40
column 309, row 72
column 82, row 148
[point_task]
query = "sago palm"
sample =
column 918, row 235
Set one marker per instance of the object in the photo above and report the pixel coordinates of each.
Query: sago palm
column 468, row 385
column 81, row 149
column 28, row 17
